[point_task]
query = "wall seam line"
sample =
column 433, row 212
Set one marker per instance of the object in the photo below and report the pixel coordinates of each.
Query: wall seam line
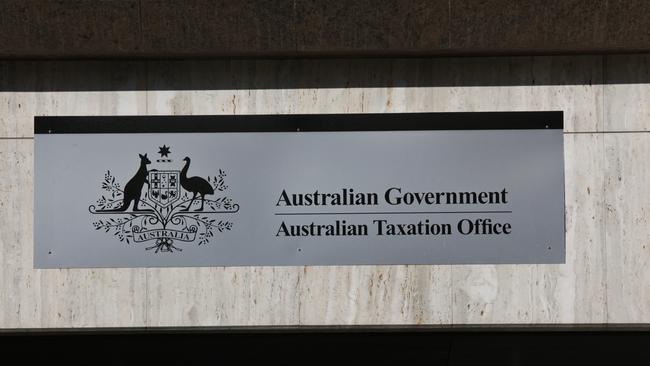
column 604, row 180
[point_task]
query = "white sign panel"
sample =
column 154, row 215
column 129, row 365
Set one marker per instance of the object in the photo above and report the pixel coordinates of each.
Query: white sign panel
column 299, row 190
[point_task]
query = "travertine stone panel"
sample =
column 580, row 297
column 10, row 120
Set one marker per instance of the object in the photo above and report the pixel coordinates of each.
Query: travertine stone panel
column 607, row 271
column 20, row 285
column 627, row 200
column 246, row 87
column 627, row 93
column 492, row 294
column 570, row 84
column 93, row 298
column 67, row 88
column 223, row 296
column 375, row 295
column 17, row 111
column 573, row 292
column 53, row 298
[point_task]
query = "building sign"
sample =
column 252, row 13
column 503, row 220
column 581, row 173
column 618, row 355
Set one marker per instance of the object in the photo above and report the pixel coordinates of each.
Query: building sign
column 423, row 188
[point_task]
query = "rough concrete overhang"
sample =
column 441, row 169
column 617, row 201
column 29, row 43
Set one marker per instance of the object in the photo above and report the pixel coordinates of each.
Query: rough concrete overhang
column 322, row 28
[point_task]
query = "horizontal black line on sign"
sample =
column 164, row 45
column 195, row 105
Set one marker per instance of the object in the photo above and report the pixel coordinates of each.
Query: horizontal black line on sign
column 388, row 213
column 301, row 122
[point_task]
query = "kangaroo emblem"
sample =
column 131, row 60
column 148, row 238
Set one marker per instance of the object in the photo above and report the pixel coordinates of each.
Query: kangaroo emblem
column 133, row 189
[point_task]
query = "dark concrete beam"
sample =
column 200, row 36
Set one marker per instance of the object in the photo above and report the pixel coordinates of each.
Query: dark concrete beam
column 69, row 28
column 295, row 28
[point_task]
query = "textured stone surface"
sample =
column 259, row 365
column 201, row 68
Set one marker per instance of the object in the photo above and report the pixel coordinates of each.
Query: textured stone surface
column 627, row 203
column 223, row 296
column 627, row 24
column 495, row 25
column 281, row 28
column 576, row 291
column 628, row 104
column 492, row 294
column 570, row 84
column 29, row 89
column 605, row 278
column 375, row 295
column 217, row 28
column 365, row 26
column 20, row 284
column 69, row 28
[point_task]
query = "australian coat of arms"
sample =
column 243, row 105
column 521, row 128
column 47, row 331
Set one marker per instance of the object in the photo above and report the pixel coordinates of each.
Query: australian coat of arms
column 164, row 208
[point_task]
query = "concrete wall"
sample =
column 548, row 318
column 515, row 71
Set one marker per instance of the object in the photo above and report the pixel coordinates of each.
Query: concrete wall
column 606, row 278
column 232, row 28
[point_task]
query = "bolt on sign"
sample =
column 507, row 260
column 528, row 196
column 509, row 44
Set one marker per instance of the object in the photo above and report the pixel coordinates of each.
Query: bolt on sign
column 346, row 189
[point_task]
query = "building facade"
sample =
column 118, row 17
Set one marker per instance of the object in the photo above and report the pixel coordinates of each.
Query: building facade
column 588, row 59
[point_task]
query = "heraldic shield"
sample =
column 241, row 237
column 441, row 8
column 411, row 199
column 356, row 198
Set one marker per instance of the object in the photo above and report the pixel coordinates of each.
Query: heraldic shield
column 164, row 187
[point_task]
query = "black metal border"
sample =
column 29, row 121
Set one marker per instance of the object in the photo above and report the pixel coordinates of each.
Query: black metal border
column 301, row 122
column 401, row 328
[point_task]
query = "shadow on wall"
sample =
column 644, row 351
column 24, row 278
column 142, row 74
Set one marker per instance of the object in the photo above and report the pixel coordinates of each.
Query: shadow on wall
column 237, row 74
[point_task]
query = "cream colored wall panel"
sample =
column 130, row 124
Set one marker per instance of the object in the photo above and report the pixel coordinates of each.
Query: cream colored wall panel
column 189, row 102
column 245, row 87
column 17, row 110
column 490, row 294
column 575, row 292
column 299, row 296
column 354, row 295
column 606, row 277
column 20, row 285
column 571, row 84
column 93, row 298
column 303, row 86
column 582, row 105
column 69, row 88
column 295, row 101
column 53, row 298
column 627, row 199
column 223, row 296
column 627, row 93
